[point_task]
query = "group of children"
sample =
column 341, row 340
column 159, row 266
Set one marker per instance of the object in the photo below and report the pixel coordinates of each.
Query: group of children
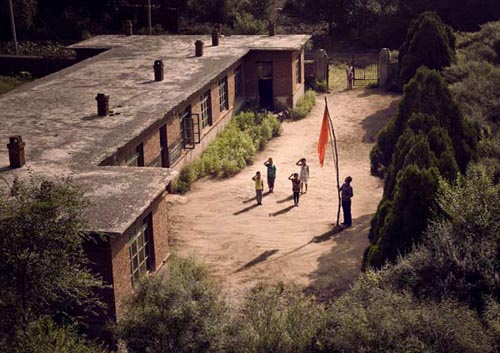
column 299, row 183
column 299, row 186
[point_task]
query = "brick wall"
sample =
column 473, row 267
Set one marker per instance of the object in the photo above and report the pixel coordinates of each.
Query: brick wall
column 122, row 284
column 282, row 75
column 151, row 147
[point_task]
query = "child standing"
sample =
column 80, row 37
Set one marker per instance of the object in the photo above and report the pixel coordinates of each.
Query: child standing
column 271, row 173
column 259, row 187
column 304, row 174
column 294, row 177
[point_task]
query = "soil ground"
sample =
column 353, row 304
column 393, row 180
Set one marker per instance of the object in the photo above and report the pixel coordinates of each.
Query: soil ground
column 219, row 222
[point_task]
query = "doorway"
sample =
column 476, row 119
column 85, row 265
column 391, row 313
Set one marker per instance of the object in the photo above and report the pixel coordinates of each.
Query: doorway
column 265, row 79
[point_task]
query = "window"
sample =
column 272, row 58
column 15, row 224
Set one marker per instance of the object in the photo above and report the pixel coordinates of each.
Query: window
column 140, row 251
column 186, row 131
column 238, row 82
column 298, row 70
column 223, row 95
column 206, row 111
column 137, row 159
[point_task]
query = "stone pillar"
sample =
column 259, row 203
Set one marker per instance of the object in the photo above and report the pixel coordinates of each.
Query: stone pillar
column 102, row 104
column 158, row 69
column 321, row 65
column 215, row 37
column 198, row 48
column 16, row 151
column 272, row 28
column 128, row 28
column 384, row 59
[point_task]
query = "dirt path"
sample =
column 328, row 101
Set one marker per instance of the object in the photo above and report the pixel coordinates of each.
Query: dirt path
column 219, row 223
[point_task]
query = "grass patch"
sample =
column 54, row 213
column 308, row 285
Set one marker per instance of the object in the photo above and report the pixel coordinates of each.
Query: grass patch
column 304, row 105
column 8, row 83
column 338, row 80
column 232, row 150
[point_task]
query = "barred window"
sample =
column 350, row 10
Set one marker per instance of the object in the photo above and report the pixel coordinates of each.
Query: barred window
column 298, row 70
column 140, row 251
column 206, row 111
column 238, row 82
column 223, row 95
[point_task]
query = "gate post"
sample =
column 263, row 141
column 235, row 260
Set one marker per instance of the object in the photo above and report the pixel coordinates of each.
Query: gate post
column 384, row 59
column 321, row 63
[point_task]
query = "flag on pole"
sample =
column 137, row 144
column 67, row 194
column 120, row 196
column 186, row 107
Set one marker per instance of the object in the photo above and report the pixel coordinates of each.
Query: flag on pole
column 323, row 137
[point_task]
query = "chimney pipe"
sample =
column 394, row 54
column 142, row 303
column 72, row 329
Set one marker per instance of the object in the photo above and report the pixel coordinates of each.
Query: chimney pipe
column 272, row 28
column 199, row 48
column 102, row 104
column 128, row 28
column 16, row 151
column 215, row 37
column 158, row 69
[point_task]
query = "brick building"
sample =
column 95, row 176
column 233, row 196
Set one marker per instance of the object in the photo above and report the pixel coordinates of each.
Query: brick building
column 160, row 101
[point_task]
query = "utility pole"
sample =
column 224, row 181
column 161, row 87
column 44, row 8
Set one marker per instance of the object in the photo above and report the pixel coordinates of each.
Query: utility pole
column 13, row 25
column 149, row 18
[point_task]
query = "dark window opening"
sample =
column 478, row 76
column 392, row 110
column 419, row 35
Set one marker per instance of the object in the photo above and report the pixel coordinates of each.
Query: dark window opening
column 298, row 70
column 265, row 79
column 238, row 82
column 137, row 159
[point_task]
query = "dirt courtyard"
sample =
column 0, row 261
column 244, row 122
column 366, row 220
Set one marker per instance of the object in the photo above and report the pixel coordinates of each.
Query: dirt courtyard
column 219, row 223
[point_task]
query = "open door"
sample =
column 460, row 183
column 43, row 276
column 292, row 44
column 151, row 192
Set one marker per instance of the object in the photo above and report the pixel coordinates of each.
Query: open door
column 265, row 79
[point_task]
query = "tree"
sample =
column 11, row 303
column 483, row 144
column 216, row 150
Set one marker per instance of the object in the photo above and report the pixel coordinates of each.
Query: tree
column 179, row 312
column 43, row 269
column 429, row 42
column 459, row 256
column 429, row 94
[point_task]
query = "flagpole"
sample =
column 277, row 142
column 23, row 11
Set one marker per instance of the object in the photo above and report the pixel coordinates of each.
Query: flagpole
column 335, row 157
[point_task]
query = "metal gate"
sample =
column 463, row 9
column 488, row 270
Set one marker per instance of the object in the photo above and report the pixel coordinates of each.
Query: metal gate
column 365, row 72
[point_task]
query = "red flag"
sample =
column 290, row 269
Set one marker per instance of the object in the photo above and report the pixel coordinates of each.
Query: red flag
column 323, row 137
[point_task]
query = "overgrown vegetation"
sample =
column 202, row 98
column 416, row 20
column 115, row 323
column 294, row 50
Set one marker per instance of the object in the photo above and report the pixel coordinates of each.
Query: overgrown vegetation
column 8, row 83
column 429, row 42
column 233, row 149
column 43, row 269
column 428, row 138
column 186, row 313
column 304, row 105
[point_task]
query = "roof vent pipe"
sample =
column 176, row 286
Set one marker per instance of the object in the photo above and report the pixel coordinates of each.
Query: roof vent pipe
column 272, row 28
column 199, row 48
column 215, row 37
column 158, row 68
column 16, row 151
column 102, row 104
column 128, row 28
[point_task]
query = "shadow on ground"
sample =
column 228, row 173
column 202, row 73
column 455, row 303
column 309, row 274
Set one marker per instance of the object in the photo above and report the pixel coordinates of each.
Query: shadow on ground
column 259, row 259
column 372, row 124
column 339, row 268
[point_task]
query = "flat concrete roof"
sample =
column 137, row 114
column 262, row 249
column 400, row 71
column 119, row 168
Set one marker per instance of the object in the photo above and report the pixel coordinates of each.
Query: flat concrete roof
column 57, row 114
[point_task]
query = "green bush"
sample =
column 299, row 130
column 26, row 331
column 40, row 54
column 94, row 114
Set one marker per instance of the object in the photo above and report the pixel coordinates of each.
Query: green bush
column 179, row 312
column 304, row 105
column 278, row 319
column 233, row 149
column 458, row 258
column 374, row 318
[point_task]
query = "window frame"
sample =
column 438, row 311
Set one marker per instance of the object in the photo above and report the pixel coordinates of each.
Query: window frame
column 298, row 69
column 206, row 109
column 141, row 243
column 136, row 159
column 223, row 94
